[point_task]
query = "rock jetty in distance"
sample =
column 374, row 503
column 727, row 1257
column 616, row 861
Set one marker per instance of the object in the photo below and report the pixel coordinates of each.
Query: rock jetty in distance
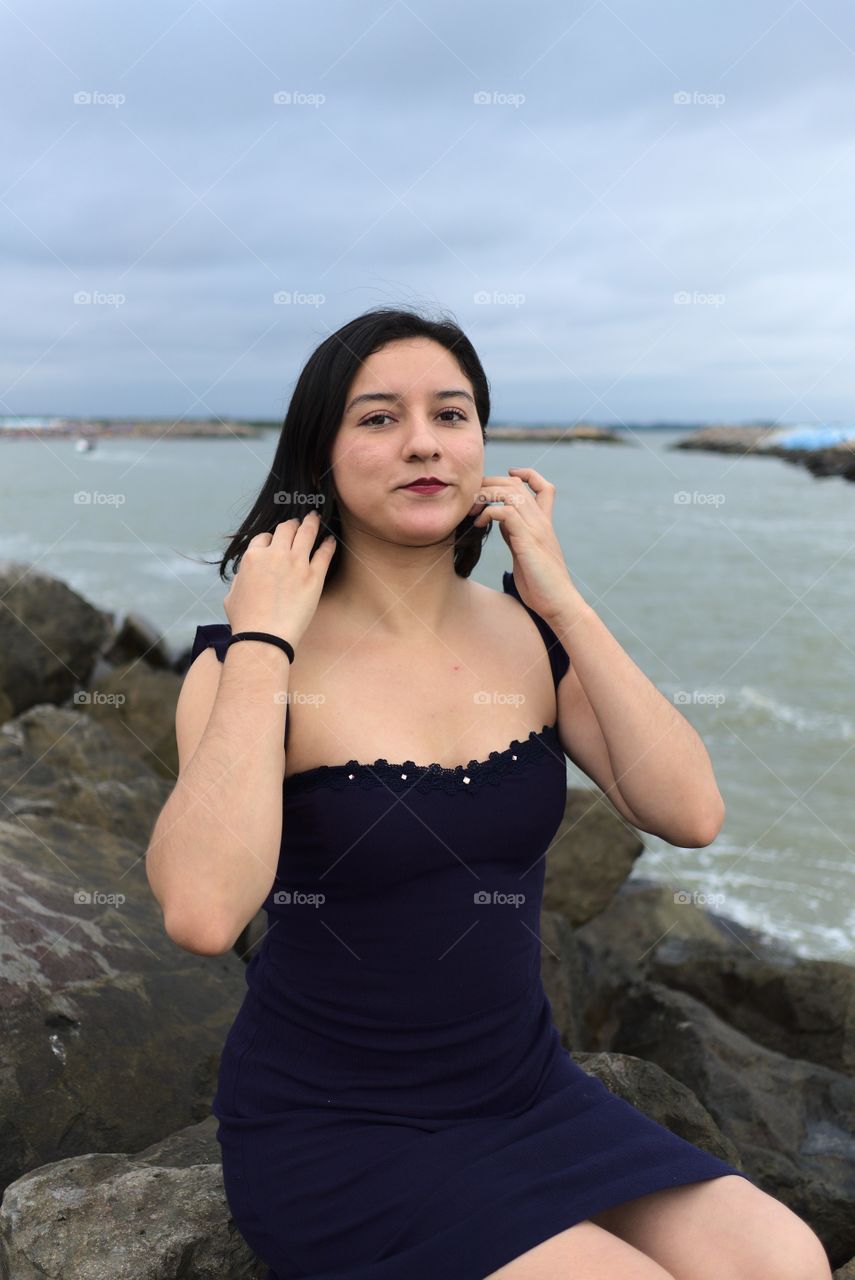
column 579, row 431
column 823, row 450
column 161, row 428
column 12, row 428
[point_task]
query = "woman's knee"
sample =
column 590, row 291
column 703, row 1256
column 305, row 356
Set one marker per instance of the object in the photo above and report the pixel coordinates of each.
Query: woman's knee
column 585, row 1250
column 793, row 1252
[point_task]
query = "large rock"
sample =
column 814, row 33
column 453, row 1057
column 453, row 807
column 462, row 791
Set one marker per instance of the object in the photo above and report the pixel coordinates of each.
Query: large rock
column 136, row 637
column 50, row 638
column 662, row 1098
column 136, row 705
column 111, row 1033
column 156, row 1215
column 802, row 1007
column 792, row 1121
column 592, row 854
column 56, row 762
column 622, row 942
column 562, row 972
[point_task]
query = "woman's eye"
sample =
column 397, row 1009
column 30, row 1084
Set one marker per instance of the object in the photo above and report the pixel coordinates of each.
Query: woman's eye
column 372, row 420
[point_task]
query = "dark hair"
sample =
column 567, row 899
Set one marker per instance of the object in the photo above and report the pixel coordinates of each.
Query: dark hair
column 301, row 474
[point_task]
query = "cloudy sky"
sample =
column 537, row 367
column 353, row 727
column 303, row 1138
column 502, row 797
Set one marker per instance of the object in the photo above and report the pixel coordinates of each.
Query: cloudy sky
column 637, row 212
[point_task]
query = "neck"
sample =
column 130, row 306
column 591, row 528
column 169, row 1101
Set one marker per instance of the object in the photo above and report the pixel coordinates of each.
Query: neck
column 399, row 592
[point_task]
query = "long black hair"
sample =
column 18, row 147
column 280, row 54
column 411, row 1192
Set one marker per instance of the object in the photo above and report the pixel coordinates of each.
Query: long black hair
column 301, row 475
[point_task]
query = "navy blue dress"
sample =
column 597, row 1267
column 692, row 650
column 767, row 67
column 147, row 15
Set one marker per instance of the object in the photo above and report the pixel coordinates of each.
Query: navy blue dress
column 394, row 1102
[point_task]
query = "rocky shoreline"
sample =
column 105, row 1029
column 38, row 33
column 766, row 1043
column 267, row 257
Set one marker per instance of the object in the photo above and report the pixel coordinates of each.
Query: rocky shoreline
column 92, row 429
column 112, row 1033
column 831, row 460
column 155, row 428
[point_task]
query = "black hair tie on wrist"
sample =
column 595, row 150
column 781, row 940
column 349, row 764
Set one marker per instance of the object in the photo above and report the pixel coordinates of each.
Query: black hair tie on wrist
column 264, row 635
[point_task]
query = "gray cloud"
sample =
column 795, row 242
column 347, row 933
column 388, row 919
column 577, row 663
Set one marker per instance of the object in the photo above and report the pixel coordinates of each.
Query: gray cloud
column 597, row 199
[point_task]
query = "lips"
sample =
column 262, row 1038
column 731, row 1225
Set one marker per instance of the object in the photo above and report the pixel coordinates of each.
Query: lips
column 425, row 482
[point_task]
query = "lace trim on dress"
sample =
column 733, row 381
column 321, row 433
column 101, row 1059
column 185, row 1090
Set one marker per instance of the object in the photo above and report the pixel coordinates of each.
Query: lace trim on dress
column 454, row 780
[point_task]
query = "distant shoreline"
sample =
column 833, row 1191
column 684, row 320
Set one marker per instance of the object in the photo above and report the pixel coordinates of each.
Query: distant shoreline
column 814, row 447
column 59, row 428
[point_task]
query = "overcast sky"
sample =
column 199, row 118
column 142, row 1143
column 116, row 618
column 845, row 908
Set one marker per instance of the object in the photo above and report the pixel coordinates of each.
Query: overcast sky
column 637, row 213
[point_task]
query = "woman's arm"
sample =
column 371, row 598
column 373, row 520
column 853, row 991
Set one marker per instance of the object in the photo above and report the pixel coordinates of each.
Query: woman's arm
column 616, row 725
column 212, row 857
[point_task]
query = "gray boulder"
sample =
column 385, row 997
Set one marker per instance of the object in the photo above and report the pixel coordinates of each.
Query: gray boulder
column 658, row 1095
column 110, row 1034
column 156, row 1215
column 590, row 857
column 56, row 762
column 792, row 1121
column 802, row 1007
column 50, row 638
column 136, row 705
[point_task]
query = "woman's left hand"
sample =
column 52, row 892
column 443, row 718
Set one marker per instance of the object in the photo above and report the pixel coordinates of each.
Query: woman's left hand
column 525, row 519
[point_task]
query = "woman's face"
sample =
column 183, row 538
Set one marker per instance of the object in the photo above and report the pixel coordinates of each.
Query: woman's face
column 416, row 429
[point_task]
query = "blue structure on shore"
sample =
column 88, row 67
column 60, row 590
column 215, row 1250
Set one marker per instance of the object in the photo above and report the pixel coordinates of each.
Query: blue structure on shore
column 811, row 436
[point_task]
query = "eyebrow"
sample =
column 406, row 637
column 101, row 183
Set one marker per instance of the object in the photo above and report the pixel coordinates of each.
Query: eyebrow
column 392, row 397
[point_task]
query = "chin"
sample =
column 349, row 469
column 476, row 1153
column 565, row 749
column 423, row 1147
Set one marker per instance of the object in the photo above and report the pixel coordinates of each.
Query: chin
column 428, row 527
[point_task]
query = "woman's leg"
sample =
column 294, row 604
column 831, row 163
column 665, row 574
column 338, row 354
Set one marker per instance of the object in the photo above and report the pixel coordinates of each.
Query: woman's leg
column 583, row 1250
column 721, row 1227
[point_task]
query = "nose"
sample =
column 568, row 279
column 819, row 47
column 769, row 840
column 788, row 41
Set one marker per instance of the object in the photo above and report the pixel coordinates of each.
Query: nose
column 422, row 438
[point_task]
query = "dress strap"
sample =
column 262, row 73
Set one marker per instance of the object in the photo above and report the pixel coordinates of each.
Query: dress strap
column 216, row 635
column 559, row 658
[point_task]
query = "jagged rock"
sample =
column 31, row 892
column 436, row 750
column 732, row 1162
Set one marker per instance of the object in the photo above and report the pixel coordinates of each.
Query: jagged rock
column 661, row 1097
column 563, row 976
column 621, row 943
column 156, row 1215
column 591, row 856
column 110, row 1034
column 136, row 637
column 58, row 762
column 50, row 637
column 802, row 1007
column 791, row 1120
column 136, row 705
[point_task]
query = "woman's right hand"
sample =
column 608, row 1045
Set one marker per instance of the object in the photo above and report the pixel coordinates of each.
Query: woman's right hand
column 277, row 587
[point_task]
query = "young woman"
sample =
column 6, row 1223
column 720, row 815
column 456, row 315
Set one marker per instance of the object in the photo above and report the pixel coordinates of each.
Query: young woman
column 393, row 1099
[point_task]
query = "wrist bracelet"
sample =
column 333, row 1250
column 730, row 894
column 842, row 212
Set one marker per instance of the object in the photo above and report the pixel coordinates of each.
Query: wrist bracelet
column 264, row 635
